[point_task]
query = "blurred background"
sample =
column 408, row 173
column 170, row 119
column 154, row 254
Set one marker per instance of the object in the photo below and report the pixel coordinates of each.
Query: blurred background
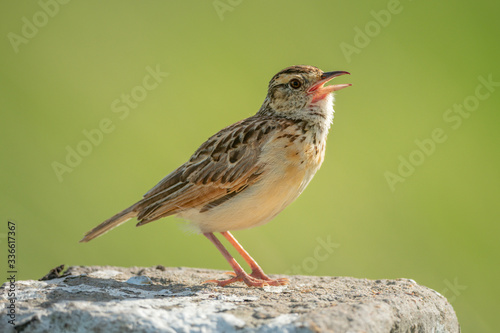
column 101, row 100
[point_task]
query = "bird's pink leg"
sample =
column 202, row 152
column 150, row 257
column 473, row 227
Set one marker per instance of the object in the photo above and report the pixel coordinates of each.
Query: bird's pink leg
column 257, row 272
column 241, row 275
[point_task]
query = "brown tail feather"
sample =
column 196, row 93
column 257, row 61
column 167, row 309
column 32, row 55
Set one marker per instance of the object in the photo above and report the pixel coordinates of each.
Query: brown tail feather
column 110, row 223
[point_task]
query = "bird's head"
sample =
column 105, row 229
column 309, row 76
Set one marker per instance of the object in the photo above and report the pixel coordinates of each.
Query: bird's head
column 299, row 89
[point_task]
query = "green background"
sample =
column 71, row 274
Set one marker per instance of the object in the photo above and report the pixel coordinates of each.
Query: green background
column 439, row 227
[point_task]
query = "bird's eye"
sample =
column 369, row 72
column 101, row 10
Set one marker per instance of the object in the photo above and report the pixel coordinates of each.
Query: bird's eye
column 295, row 84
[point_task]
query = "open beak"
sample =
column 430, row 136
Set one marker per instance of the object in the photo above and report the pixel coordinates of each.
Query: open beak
column 319, row 91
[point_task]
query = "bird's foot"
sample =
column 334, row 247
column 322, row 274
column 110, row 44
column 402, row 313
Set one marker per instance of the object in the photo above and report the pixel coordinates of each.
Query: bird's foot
column 253, row 280
column 259, row 274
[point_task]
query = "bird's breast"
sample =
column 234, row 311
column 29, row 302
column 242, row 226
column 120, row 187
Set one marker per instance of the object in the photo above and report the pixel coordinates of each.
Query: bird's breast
column 296, row 157
column 290, row 158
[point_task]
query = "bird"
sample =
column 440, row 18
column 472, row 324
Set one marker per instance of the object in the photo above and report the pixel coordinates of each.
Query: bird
column 247, row 173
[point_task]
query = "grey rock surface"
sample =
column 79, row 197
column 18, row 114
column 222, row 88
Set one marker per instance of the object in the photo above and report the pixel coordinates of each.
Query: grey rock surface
column 159, row 299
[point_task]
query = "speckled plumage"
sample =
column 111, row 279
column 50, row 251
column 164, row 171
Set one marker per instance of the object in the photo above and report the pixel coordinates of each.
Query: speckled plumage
column 248, row 172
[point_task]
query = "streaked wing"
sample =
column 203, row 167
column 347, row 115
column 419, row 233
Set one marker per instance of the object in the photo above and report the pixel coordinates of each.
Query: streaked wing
column 225, row 165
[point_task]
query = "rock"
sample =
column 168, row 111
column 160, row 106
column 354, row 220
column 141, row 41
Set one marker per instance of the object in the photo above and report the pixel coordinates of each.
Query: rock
column 162, row 299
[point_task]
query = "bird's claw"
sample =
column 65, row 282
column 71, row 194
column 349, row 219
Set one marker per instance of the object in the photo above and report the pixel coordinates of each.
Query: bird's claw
column 250, row 280
column 259, row 274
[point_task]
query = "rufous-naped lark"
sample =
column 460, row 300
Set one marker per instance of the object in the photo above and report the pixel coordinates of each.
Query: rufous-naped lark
column 247, row 173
